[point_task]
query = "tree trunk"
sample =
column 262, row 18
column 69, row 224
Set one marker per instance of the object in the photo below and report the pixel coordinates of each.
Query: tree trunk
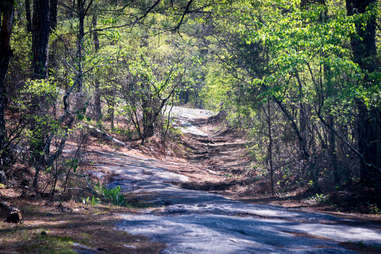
column 148, row 121
column 369, row 119
column 111, row 108
column 40, row 44
column 28, row 16
column 6, row 20
column 81, row 14
column 97, row 92
column 40, row 38
column 97, row 102
column 80, row 36
column 270, row 147
column 53, row 14
column 332, row 150
column 302, row 116
column 302, row 144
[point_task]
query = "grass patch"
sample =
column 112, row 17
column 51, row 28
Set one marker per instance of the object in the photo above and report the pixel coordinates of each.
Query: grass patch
column 47, row 244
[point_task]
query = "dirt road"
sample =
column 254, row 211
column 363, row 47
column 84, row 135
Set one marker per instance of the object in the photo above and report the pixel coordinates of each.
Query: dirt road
column 194, row 221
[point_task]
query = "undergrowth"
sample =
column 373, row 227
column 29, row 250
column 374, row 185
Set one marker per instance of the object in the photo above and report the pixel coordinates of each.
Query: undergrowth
column 107, row 195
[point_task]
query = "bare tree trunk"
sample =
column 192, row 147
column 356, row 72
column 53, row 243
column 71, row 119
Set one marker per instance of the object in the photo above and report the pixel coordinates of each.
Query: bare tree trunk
column 97, row 102
column 53, row 14
column 302, row 118
column 40, row 42
column 81, row 15
column 28, row 16
column 81, row 34
column 6, row 21
column 111, row 108
column 97, row 92
column 40, row 39
column 148, row 118
column 332, row 150
column 270, row 147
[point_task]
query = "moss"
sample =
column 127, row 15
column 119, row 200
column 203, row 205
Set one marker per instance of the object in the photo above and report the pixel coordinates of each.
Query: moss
column 44, row 244
column 85, row 238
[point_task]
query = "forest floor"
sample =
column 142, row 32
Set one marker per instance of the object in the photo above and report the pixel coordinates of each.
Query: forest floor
column 185, row 205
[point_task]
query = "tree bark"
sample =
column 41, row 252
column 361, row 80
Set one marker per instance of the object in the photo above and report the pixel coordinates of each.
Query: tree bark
column 302, row 115
column 81, row 12
column 28, row 16
column 270, row 147
column 148, row 118
column 332, row 150
column 111, row 109
column 40, row 38
column 80, row 35
column 369, row 118
column 97, row 92
column 6, row 18
column 53, row 14
column 40, row 44
column 302, row 144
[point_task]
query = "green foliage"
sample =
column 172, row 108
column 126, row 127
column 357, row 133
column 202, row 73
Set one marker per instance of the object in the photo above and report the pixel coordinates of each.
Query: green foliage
column 72, row 164
column 48, row 244
column 320, row 198
column 374, row 209
column 112, row 196
column 93, row 201
column 172, row 129
column 217, row 86
column 124, row 132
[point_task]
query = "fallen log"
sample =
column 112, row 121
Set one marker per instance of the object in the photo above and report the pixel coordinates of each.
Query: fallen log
column 95, row 132
column 11, row 213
